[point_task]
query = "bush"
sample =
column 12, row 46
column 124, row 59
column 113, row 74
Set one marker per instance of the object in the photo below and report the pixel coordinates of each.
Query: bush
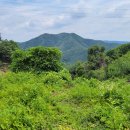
column 36, row 59
column 119, row 67
column 6, row 50
column 99, row 74
column 77, row 70
column 54, row 78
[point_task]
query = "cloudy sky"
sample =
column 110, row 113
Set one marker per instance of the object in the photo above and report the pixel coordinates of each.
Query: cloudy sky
column 22, row 20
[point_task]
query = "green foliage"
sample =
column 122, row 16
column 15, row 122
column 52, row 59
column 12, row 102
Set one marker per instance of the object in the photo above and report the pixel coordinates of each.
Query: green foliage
column 115, row 63
column 77, row 70
column 99, row 74
column 95, row 66
column 96, row 57
column 57, row 78
column 119, row 67
column 36, row 59
column 118, row 52
column 6, row 50
column 52, row 101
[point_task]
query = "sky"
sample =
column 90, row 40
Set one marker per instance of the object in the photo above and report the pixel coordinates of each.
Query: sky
column 21, row 20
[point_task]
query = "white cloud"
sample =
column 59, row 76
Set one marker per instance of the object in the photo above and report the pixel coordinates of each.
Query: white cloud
column 98, row 19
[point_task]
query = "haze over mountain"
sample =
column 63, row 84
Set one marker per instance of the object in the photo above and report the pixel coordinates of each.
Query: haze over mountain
column 73, row 46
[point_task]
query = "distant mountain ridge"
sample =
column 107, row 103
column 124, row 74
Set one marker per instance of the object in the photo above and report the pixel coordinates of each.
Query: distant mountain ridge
column 73, row 46
column 119, row 42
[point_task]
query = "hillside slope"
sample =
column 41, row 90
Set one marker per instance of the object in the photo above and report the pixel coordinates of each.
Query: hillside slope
column 49, row 102
column 73, row 46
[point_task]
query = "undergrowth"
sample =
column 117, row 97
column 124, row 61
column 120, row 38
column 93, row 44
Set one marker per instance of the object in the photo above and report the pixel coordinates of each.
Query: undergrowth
column 53, row 101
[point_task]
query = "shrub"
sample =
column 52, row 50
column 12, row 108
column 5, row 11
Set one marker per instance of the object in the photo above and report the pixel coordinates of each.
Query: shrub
column 6, row 50
column 36, row 59
column 77, row 70
column 119, row 67
column 99, row 74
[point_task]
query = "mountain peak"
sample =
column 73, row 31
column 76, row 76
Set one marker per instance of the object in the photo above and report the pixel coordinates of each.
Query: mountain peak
column 73, row 46
column 63, row 34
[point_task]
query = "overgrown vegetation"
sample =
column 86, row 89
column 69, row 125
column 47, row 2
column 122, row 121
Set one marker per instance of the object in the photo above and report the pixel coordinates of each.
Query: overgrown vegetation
column 52, row 101
column 120, row 67
column 103, row 65
column 6, row 50
column 119, row 51
column 37, row 59
column 43, row 95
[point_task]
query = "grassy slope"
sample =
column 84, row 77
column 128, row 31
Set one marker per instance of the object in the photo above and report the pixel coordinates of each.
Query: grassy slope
column 54, row 102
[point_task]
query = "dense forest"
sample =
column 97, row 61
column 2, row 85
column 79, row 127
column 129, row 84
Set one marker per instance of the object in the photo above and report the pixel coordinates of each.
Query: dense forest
column 40, row 92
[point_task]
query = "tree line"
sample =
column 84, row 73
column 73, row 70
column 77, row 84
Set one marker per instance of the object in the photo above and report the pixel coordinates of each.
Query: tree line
column 100, row 64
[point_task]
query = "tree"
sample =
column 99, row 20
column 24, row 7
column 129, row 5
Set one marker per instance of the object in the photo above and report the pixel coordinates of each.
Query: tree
column 37, row 59
column 96, row 57
column 96, row 61
column 6, row 50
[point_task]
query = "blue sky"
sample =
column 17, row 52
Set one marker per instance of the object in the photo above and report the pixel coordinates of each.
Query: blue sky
column 21, row 20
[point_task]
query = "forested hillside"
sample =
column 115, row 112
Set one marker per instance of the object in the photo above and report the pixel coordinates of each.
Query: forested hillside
column 73, row 47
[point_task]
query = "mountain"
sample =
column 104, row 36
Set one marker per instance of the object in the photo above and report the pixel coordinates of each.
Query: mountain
column 73, row 46
column 119, row 42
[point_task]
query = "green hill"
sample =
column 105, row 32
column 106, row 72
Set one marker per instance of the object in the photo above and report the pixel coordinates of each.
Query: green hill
column 119, row 51
column 73, row 46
